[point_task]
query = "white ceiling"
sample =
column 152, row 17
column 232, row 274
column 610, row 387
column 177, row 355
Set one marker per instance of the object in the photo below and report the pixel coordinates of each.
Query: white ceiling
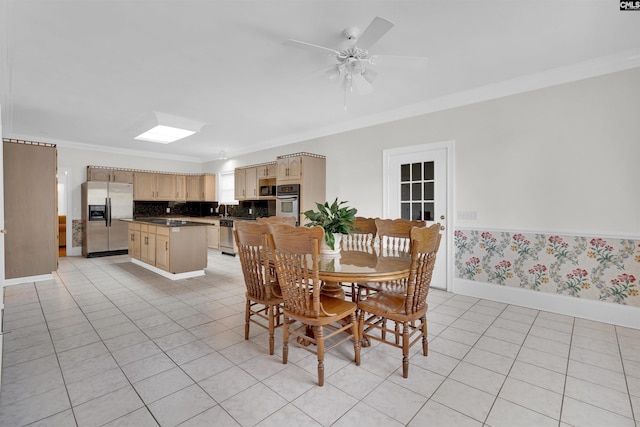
column 95, row 71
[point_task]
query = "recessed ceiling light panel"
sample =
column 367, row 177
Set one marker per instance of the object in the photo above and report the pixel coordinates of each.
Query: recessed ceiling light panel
column 164, row 134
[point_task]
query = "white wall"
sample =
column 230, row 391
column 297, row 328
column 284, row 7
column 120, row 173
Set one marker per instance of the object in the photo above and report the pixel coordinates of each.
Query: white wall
column 564, row 158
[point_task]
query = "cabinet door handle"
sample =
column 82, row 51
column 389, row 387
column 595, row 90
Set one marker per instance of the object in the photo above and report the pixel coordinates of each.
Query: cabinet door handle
column 166, row 246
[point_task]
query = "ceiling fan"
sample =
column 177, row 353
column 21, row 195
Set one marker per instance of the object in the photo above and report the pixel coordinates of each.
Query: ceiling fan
column 353, row 67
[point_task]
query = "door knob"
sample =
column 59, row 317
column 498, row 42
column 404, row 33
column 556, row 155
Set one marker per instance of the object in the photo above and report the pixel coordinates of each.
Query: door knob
column 441, row 216
column 3, row 231
column 442, row 227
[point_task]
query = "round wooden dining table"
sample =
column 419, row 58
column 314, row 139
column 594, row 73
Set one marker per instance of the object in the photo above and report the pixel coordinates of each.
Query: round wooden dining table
column 361, row 264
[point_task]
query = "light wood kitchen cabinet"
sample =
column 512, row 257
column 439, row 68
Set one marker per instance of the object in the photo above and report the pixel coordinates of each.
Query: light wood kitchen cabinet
column 96, row 173
column 163, row 248
column 246, row 184
column 148, row 243
column 181, row 188
column 289, row 169
column 240, row 184
column 134, row 240
column 208, row 188
column 193, row 188
column 213, row 235
column 144, row 186
column 165, row 186
column 251, row 184
column 266, row 171
column 154, row 186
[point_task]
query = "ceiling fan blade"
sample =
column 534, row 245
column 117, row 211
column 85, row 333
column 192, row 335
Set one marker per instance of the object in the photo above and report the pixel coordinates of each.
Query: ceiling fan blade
column 375, row 30
column 309, row 46
column 361, row 84
column 408, row 62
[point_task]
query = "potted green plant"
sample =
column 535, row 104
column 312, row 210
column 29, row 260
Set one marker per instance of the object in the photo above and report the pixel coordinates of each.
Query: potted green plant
column 336, row 219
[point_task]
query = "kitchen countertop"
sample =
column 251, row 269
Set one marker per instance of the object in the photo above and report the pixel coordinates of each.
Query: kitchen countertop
column 168, row 222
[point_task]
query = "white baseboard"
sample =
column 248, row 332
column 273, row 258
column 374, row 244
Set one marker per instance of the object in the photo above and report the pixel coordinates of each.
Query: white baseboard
column 19, row 280
column 75, row 251
column 599, row 311
column 172, row 276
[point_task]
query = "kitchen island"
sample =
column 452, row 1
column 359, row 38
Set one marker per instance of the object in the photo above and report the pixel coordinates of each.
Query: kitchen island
column 173, row 248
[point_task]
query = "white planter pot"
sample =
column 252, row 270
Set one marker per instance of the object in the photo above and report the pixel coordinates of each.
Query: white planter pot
column 326, row 250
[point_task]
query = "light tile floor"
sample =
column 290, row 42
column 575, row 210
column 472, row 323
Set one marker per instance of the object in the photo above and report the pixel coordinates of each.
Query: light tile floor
column 109, row 343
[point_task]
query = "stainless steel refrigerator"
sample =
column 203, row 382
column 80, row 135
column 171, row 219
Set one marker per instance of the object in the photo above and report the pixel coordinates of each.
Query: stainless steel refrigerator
column 103, row 205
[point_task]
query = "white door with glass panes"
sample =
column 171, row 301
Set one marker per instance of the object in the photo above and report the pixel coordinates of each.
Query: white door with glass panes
column 417, row 187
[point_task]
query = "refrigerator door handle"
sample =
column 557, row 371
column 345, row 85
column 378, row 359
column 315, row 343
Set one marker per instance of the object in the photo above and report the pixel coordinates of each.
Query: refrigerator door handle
column 108, row 212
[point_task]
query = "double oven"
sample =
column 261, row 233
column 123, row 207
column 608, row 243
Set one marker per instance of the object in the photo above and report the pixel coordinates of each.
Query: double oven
column 288, row 201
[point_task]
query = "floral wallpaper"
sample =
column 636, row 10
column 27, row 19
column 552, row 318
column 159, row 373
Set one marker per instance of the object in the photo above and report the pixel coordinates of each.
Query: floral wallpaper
column 596, row 268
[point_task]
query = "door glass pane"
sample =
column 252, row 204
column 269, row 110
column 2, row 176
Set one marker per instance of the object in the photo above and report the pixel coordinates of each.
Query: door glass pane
column 405, row 173
column 428, row 212
column 416, row 211
column 428, row 191
column 416, row 171
column 405, row 192
column 416, row 191
column 428, row 171
column 405, row 210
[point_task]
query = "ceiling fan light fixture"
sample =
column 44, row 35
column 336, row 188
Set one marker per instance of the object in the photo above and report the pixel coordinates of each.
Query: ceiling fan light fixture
column 369, row 75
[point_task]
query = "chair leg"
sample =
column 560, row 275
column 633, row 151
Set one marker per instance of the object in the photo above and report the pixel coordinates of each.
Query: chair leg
column 285, row 340
column 319, row 336
column 356, row 337
column 247, row 316
column 271, row 311
column 397, row 329
column 405, row 349
column 425, row 342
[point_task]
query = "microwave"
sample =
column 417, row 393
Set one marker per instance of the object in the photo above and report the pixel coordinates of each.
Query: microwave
column 267, row 190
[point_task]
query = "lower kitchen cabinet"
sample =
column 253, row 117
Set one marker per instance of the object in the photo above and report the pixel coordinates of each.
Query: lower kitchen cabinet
column 172, row 248
column 213, row 235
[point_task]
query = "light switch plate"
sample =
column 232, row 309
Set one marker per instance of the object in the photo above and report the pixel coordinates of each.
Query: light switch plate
column 468, row 215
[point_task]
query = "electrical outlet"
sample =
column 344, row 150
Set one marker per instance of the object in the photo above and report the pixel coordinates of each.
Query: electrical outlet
column 250, row 211
column 168, row 210
column 211, row 211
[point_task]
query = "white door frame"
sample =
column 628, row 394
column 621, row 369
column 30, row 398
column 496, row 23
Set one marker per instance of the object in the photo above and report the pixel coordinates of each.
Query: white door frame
column 449, row 146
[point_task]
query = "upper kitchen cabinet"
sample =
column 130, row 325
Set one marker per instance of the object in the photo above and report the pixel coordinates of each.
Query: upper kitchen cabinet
column 181, row 188
column 246, row 184
column 154, row 186
column 208, row 188
column 193, row 188
column 266, row 171
column 289, row 169
column 97, row 173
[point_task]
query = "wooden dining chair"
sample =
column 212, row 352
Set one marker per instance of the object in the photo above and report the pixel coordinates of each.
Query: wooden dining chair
column 392, row 238
column 363, row 235
column 404, row 309
column 291, row 220
column 393, row 234
column 264, row 301
column 331, row 320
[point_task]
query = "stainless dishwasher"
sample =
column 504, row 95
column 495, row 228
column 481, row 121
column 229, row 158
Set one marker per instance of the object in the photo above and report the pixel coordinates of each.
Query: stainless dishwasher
column 226, row 237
